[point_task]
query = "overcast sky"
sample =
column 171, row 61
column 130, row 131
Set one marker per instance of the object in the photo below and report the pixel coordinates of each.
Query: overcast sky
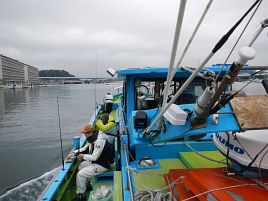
column 78, row 35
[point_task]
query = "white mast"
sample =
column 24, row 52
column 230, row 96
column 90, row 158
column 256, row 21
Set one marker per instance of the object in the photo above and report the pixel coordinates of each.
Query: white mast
column 174, row 49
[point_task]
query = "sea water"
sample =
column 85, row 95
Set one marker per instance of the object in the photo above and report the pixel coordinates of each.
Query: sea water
column 29, row 133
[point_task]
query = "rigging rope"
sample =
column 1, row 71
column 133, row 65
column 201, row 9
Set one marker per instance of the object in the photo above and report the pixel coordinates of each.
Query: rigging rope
column 189, row 80
column 229, row 33
column 203, row 156
column 238, row 40
column 260, row 176
column 218, row 189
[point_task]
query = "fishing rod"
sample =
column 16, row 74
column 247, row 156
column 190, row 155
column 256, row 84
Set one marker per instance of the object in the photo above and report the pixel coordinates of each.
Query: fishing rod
column 96, row 105
column 223, row 102
column 62, row 159
column 95, row 88
column 252, row 41
column 220, row 43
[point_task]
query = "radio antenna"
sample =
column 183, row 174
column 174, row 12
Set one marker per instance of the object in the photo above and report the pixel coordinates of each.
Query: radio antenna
column 62, row 160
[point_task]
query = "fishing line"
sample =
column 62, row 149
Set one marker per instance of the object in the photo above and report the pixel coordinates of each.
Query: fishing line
column 219, row 45
column 250, row 80
column 238, row 40
column 260, row 174
column 223, row 102
column 228, row 151
column 236, row 138
column 218, row 189
column 62, row 159
column 201, row 155
column 96, row 105
column 254, row 159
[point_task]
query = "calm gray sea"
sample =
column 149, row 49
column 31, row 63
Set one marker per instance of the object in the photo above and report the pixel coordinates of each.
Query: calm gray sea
column 29, row 133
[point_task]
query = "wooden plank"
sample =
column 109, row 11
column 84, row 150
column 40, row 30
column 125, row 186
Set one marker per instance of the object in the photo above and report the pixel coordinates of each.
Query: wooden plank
column 251, row 111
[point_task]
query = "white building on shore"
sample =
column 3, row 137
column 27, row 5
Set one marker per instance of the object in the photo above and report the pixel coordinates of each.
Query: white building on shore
column 16, row 73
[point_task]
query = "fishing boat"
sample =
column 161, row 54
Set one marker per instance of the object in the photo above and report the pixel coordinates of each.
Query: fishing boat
column 182, row 134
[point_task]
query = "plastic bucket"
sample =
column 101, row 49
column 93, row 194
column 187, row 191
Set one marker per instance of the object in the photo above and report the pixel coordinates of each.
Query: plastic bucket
column 76, row 142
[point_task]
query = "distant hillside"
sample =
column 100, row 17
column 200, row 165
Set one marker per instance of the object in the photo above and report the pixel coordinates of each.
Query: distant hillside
column 54, row 73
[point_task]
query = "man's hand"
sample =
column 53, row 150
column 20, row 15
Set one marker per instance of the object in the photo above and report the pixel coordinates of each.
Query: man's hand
column 80, row 157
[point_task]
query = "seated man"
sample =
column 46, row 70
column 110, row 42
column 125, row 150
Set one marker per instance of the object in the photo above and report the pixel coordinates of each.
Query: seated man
column 97, row 161
column 106, row 123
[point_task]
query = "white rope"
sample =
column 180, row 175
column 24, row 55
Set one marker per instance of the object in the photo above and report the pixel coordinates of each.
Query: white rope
column 203, row 156
column 218, row 189
column 151, row 195
column 157, row 194
column 148, row 193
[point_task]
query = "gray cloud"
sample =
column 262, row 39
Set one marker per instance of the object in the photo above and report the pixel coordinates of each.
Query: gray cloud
column 73, row 35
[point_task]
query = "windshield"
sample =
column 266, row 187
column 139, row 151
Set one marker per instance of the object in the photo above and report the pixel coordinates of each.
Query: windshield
column 149, row 93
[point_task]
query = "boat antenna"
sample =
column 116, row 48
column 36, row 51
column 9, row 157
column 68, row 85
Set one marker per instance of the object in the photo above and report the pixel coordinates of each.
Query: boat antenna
column 219, row 44
column 62, row 160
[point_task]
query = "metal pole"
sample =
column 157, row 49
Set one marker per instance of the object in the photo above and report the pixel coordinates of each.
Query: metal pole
column 173, row 54
column 255, row 68
column 128, row 175
column 264, row 24
column 174, row 49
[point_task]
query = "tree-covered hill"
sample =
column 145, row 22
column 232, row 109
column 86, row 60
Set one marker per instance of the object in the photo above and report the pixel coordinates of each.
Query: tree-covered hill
column 54, row 73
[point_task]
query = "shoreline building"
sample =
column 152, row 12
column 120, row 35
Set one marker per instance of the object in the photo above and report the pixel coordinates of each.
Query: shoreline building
column 14, row 72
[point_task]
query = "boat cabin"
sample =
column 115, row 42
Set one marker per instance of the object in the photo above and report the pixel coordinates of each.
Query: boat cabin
column 143, row 91
column 143, row 88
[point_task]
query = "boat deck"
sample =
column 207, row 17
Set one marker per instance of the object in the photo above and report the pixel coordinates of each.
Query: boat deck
column 154, row 179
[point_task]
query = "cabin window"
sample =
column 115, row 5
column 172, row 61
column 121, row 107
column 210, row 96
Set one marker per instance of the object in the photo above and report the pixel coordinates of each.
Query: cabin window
column 147, row 94
column 192, row 92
